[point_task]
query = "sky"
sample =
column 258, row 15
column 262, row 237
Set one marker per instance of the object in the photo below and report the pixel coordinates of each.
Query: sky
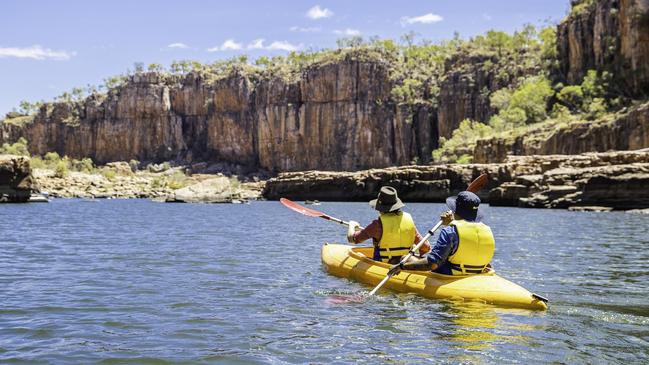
column 49, row 47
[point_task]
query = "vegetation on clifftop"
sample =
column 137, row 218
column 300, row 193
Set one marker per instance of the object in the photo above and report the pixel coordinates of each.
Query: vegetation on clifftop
column 523, row 92
column 416, row 66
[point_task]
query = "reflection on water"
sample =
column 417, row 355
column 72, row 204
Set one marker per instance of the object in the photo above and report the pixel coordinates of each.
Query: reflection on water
column 474, row 325
column 137, row 281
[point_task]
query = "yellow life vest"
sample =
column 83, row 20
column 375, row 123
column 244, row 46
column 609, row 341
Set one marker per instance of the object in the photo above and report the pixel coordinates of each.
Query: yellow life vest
column 399, row 233
column 475, row 248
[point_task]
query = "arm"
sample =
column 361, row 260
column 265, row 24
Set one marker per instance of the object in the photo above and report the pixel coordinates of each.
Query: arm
column 425, row 247
column 419, row 264
column 373, row 230
column 437, row 255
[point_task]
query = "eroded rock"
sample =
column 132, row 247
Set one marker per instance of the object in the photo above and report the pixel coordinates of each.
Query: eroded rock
column 16, row 182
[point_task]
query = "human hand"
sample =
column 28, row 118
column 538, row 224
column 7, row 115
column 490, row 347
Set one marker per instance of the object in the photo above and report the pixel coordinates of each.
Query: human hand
column 351, row 229
column 447, row 217
column 395, row 269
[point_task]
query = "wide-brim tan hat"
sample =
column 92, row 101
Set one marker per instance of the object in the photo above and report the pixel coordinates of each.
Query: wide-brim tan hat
column 387, row 200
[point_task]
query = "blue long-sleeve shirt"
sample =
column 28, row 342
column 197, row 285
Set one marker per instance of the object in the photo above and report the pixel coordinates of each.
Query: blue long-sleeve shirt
column 445, row 246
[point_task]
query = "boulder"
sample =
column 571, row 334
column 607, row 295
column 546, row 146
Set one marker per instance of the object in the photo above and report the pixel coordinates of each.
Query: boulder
column 16, row 182
column 214, row 190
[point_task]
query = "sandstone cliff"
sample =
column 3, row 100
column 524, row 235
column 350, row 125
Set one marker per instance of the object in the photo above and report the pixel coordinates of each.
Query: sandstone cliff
column 336, row 116
column 470, row 80
column 607, row 35
column 340, row 113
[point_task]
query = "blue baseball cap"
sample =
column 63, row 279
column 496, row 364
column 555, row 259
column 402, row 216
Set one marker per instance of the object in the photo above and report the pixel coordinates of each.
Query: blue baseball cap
column 465, row 204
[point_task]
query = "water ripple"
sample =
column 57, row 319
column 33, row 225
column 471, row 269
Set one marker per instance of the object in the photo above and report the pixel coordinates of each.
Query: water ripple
column 141, row 282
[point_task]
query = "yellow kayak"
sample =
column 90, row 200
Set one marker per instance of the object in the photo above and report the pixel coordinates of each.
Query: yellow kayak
column 356, row 264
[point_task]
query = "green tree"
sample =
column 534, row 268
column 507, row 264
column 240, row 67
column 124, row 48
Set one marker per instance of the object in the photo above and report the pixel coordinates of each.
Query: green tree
column 526, row 37
column 138, row 67
column 155, row 67
column 350, row 42
column 500, row 98
column 548, row 36
column 572, row 97
column 532, row 97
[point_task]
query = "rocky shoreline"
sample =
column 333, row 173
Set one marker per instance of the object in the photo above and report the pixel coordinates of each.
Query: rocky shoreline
column 18, row 181
column 587, row 182
column 590, row 181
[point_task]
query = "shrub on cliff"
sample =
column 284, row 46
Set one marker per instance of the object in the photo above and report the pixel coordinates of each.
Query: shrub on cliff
column 51, row 157
column 526, row 104
column 177, row 180
column 84, row 165
column 61, row 170
column 109, row 173
column 590, row 99
column 134, row 164
column 461, row 144
column 18, row 148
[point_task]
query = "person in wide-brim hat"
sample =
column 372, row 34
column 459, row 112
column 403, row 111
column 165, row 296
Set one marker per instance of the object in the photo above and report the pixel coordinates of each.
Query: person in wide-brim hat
column 387, row 200
column 393, row 233
column 465, row 247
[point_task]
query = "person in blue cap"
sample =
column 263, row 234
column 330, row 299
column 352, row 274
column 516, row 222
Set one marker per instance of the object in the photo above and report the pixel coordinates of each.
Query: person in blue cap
column 465, row 247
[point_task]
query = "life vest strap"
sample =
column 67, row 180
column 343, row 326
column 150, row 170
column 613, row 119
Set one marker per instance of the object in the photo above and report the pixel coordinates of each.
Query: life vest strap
column 468, row 269
column 395, row 248
column 388, row 253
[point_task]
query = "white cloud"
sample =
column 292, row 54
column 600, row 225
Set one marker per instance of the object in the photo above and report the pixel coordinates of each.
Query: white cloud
column 177, row 45
column 423, row 19
column 487, row 17
column 283, row 46
column 348, row 32
column 257, row 44
column 36, row 52
column 305, row 30
column 228, row 45
column 274, row 46
column 317, row 12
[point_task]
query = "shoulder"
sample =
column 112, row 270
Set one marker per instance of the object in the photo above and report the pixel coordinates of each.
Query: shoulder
column 374, row 223
column 448, row 234
column 448, row 230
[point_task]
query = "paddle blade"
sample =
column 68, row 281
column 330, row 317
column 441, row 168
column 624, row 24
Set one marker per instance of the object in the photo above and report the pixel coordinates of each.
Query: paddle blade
column 346, row 299
column 300, row 209
column 477, row 184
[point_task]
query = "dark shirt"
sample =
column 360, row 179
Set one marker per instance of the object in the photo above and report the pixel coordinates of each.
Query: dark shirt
column 445, row 246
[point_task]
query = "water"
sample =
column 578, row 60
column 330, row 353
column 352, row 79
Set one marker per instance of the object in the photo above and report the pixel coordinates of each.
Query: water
column 133, row 281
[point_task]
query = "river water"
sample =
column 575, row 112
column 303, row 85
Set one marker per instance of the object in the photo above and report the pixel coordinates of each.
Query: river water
column 134, row 281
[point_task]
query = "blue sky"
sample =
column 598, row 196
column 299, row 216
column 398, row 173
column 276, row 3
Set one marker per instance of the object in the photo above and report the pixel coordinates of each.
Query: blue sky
column 48, row 47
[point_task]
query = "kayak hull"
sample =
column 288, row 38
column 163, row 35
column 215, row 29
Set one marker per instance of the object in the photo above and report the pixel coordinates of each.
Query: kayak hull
column 355, row 263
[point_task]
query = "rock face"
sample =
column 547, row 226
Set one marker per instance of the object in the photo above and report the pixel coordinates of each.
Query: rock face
column 333, row 116
column 612, row 180
column 336, row 116
column 414, row 183
column 16, row 183
column 466, row 88
column 629, row 131
column 608, row 35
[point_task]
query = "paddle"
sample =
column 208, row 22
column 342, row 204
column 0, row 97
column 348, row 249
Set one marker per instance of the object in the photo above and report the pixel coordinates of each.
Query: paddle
column 475, row 186
column 311, row 212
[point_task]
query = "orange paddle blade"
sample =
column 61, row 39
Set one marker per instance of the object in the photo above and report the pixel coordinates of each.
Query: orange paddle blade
column 477, row 184
column 300, row 209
